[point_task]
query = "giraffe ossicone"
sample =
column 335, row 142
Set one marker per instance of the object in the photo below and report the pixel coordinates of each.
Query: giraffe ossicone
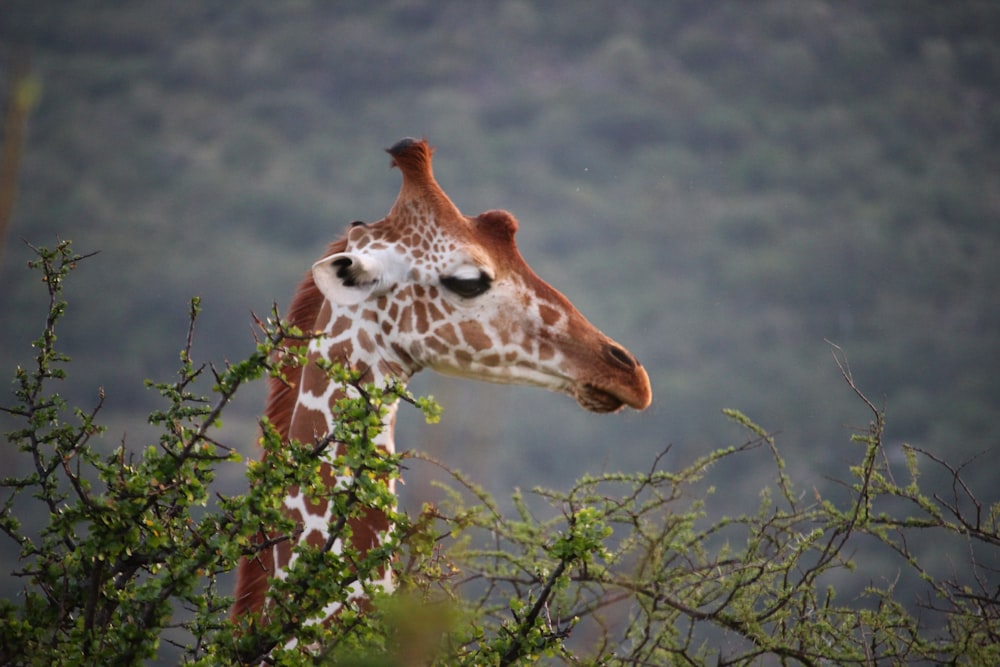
column 426, row 287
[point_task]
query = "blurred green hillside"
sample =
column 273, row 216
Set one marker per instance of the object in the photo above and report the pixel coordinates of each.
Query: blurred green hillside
column 721, row 186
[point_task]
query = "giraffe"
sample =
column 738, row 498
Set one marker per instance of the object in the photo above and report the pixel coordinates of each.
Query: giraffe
column 427, row 287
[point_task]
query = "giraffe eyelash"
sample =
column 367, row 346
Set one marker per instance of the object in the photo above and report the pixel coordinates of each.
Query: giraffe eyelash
column 468, row 288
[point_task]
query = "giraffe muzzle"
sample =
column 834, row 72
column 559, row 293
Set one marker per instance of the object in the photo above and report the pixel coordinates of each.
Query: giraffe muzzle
column 597, row 400
column 624, row 382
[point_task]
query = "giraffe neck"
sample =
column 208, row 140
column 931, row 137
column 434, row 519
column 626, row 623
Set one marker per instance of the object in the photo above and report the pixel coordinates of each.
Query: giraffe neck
column 358, row 348
column 353, row 338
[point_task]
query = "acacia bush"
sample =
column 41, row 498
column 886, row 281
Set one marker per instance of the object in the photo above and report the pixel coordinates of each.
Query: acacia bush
column 625, row 568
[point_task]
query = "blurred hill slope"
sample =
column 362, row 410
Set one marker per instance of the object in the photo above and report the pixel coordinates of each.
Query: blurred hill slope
column 721, row 188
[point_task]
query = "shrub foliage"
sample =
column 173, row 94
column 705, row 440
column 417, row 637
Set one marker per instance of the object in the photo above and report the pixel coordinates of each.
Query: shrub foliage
column 620, row 569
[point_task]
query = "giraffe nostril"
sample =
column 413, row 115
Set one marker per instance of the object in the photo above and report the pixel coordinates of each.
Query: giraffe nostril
column 619, row 356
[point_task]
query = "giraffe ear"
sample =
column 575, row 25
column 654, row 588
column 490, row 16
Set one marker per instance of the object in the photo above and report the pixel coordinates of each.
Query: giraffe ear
column 347, row 278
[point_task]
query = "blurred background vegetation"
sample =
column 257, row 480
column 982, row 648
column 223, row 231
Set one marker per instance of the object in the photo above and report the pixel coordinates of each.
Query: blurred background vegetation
column 721, row 187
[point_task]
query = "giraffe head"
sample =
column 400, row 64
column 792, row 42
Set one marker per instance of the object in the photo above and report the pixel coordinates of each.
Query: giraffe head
column 429, row 287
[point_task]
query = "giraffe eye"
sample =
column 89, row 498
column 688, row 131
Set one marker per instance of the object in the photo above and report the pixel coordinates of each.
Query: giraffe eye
column 467, row 288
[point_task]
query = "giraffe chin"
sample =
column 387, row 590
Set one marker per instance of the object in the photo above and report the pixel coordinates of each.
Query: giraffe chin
column 597, row 400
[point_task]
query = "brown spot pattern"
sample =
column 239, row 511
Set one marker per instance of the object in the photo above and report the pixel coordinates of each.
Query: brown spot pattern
column 549, row 314
column 365, row 341
column 446, row 332
column 341, row 326
column 421, row 322
column 315, row 539
column 475, row 335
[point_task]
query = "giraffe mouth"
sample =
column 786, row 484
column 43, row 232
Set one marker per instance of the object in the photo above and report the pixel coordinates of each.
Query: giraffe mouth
column 596, row 399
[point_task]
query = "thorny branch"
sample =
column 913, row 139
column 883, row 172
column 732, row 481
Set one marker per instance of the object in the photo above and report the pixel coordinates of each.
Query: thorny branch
column 669, row 582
